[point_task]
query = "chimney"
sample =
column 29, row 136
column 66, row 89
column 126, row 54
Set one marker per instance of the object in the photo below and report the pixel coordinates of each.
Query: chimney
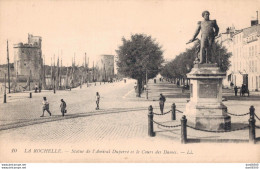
column 255, row 22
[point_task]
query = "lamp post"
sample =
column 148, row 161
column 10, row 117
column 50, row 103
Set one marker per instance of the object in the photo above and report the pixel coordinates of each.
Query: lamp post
column 5, row 90
column 54, row 86
column 30, row 93
column 146, row 86
column 146, row 79
column 8, row 69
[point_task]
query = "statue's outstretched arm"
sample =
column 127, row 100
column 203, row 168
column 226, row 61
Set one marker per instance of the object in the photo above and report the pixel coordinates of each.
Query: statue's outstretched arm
column 197, row 31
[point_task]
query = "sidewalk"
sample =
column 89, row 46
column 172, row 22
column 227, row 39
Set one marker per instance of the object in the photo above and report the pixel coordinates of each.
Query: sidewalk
column 236, row 105
column 21, row 108
column 122, row 124
column 126, row 105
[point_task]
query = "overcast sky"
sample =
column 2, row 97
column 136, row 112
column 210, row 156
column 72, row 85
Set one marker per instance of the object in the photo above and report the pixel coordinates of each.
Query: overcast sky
column 96, row 27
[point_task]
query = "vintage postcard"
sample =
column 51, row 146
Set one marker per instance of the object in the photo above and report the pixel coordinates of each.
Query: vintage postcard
column 127, row 81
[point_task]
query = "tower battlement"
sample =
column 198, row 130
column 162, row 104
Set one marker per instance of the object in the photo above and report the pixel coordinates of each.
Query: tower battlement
column 33, row 42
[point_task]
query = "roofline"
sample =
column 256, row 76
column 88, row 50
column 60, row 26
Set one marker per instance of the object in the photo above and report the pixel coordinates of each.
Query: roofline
column 251, row 26
column 238, row 32
column 37, row 36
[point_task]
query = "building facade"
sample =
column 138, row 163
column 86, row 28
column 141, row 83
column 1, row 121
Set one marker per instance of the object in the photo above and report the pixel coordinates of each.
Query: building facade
column 225, row 39
column 245, row 59
column 28, row 58
column 251, row 51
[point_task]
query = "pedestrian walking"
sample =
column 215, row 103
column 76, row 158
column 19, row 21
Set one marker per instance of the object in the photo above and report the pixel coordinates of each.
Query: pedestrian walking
column 45, row 106
column 63, row 107
column 161, row 102
column 36, row 88
column 235, row 89
column 97, row 100
column 40, row 88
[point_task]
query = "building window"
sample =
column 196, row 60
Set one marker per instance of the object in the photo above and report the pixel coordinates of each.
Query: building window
column 258, row 81
column 252, row 82
column 256, row 66
column 250, row 66
column 253, row 66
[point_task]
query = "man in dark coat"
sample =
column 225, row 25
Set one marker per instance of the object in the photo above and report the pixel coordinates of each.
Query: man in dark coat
column 63, row 107
column 235, row 89
column 161, row 102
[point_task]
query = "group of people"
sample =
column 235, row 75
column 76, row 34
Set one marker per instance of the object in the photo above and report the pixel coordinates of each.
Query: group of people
column 36, row 88
column 46, row 107
column 63, row 105
column 243, row 90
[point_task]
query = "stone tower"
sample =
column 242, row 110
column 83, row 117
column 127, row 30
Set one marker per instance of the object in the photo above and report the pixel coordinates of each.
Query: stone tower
column 28, row 58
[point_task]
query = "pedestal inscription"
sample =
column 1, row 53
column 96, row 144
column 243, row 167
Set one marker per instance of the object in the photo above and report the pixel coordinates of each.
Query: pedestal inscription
column 208, row 91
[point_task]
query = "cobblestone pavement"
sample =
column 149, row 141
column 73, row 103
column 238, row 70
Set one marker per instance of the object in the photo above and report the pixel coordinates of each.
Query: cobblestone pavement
column 121, row 122
column 115, row 98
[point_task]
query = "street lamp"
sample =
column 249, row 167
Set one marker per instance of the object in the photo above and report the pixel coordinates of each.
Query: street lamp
column 5, row 90
column 30, row 93
column 146, row 86
column 146, row 79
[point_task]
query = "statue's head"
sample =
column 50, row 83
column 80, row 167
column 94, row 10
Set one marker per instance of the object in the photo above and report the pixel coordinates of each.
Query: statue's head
column 205, row 15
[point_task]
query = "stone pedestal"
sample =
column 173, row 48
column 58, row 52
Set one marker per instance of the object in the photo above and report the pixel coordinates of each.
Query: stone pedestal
column 205, row 109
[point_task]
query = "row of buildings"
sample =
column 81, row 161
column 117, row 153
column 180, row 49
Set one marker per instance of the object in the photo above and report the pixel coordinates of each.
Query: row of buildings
column 28, row 62
column 244, row 45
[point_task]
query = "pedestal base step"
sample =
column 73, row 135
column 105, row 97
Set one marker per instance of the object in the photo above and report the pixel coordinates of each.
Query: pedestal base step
column 211, row 123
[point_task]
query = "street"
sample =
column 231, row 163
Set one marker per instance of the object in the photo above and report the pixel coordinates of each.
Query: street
column 121, row 121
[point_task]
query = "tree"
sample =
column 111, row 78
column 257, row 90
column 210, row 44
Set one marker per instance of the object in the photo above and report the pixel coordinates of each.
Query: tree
column 221, row 56
column 182, row 64
column 137, row 56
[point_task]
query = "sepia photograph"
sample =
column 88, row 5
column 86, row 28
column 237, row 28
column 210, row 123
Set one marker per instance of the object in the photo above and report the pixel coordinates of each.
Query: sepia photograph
column 128, row 81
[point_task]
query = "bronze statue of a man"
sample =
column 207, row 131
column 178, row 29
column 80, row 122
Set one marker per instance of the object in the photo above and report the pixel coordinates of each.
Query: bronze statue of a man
column 209, row 29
